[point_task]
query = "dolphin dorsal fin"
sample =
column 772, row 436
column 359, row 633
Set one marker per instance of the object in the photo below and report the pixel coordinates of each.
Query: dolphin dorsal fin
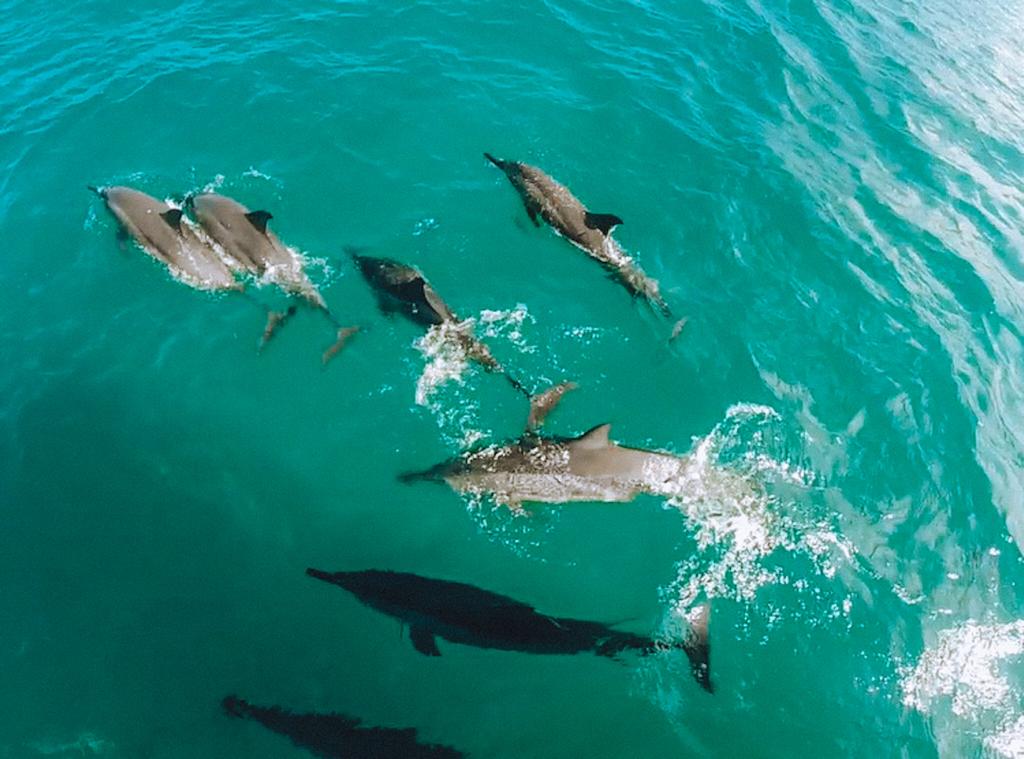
column 173, row 218
column 259, row 219
column 595, row 438
column 435, row 302
column 601, row 221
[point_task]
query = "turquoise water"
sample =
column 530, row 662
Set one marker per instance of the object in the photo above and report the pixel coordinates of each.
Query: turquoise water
column 829, row 191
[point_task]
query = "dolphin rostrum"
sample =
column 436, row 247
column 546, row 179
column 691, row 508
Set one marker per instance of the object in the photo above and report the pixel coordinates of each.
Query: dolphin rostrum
column 162, row 232
column 558, row 470
column 591, row 232
column 252, row 247
column 471, row 616
column 402, row 289
column 338, row 736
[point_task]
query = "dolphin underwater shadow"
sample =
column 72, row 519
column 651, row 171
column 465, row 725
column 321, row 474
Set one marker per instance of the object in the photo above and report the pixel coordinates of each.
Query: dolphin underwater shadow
column 251, row 247
column 338, row 736
column 590, row 467
column 402, row 289
column 544, row 198
column 471, row 616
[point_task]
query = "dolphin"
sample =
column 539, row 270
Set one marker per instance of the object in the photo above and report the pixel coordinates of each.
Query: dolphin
column 591, row 232
column 251, row 247
column 161, row 231
column 338, row 736
column 558, row 470
column 404, row 290
column 471, row 616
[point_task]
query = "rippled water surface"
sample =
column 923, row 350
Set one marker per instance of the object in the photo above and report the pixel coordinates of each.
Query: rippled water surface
column 830, row 192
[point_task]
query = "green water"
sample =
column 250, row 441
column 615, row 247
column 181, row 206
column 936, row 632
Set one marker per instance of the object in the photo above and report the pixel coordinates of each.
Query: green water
column 829, row 191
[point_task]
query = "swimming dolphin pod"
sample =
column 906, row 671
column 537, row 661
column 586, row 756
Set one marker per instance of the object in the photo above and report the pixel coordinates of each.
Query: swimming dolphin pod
column 590, row 467
column 591, row 232
column 163, row 233
column 338, row 736
column 247, row 244
column 471, row 616
column 404, row 290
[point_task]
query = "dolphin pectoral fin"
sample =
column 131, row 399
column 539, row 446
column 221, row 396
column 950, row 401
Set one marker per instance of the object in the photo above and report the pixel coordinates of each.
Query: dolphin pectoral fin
column 604, row 222
column 531, row 211
column 344, row 333
column 544, row 403
column 259, row 219
column 173, row 219
column 423, row 641
column 122, row 238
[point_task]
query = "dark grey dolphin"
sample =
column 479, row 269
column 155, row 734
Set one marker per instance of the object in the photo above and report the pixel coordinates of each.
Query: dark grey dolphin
column 160, row 230
column 338, row 736
column 402, row 289
column 559, row 470
column 465, row 614
column 591, row 232
column 252, row 247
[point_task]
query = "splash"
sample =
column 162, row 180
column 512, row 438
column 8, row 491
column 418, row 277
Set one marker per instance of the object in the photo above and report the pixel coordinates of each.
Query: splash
column 508, row 325
column 445, row 356
column 213, row 186
column 444, row 348
column 963, row 677
column 726, row 488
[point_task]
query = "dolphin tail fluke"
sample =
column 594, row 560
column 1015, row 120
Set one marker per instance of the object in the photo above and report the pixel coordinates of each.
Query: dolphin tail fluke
column 698, row 647
column 542, row 404
column 344, row 333
column 274, row 320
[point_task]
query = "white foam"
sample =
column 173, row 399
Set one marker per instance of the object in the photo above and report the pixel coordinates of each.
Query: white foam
column 725, row 489
column 508, row 325
column 962, row 677
column 446, row 358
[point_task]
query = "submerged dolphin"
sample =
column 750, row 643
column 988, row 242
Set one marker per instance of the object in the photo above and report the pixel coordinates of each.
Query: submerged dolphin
column 591, row 232
column 338, row 736
column 558, row 470
column 160, row 230
column 402, row 289
column 465, row 614
column 252, row 247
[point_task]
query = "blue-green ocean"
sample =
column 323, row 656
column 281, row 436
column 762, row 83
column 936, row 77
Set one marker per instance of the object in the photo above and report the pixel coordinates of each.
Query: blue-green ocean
column 830, row 191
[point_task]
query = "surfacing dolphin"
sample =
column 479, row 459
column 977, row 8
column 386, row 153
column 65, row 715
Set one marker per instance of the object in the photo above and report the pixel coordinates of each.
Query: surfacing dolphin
column 252, row 247
column 402, row 289
column 161, row 231
column 338, row 736
column 591, row 232
column 471, row 616
column 558, row 470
